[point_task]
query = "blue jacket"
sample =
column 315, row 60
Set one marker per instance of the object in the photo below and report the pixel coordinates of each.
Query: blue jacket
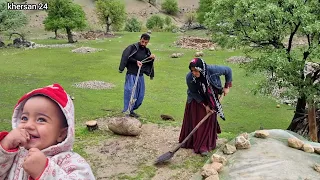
column 214, row 73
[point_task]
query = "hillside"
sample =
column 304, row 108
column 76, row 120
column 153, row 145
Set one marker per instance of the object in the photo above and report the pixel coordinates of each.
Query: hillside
column 140, row 9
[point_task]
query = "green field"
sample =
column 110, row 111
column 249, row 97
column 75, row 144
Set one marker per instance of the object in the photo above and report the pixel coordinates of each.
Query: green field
column 22, row 70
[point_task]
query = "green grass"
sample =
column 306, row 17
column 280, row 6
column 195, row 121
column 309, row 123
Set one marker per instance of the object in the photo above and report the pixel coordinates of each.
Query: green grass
column 23, row 70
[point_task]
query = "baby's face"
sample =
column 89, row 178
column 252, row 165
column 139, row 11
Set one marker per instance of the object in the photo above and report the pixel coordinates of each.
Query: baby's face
column 41, row 118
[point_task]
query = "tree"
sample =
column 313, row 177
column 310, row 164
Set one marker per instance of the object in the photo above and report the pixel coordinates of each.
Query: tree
column 133, row 25
column 64, row 14
column 170, row 6
column 9, row 19
column 155, row 22
column 190, row 18
column 111, row 13
column 269, row 27
column 204, row 7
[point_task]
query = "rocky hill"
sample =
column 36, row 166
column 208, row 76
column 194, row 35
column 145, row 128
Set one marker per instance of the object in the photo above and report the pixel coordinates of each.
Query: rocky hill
column 137, row 8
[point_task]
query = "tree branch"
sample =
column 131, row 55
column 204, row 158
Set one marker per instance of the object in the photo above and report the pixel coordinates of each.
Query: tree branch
column 291, row 38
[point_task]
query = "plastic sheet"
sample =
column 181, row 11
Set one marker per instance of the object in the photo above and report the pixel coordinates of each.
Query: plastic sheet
column 271, row 159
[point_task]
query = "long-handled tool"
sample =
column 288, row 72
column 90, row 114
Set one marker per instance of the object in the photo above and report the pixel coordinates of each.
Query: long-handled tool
column 132, row 100
column 170, row 154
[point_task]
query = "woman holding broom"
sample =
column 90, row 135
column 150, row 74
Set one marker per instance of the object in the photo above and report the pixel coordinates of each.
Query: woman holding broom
column 204, row 88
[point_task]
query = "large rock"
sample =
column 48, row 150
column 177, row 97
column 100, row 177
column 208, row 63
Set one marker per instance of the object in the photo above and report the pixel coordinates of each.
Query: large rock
column 125, row 126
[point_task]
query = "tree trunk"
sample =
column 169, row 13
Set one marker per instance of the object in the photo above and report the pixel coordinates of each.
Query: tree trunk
column 70, row 37
column 108, row 28
column 56, row 33
column 108, row 24
column 313, row 130
column 299, row 113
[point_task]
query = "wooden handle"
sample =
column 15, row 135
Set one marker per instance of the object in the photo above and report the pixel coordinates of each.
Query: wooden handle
column 191, row 133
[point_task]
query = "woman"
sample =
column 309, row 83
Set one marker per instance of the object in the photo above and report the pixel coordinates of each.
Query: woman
column 204, row 87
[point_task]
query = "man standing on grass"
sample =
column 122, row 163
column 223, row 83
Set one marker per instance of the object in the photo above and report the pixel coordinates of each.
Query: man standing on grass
column 131, row 59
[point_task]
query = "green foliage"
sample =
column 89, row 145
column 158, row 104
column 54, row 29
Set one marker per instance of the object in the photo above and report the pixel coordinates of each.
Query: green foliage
column 133, row 25
column 155, row 22
column 167, row 21
column 170, row 6
column 63, row 14
column 166, row 94
column 112, row 13
column 190, row 18
column 9, row 19
column 171, row 28
column 204, row 7
column 269, row 28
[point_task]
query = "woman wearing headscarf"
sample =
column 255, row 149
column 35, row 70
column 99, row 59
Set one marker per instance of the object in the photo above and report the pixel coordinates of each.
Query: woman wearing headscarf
column 204, row 88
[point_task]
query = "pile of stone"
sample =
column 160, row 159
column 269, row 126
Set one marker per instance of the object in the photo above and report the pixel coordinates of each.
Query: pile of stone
column 194, row 43
column 238, row 59
column 54, row 45
column 94, row 85
column 86, row 50
column 93, row 35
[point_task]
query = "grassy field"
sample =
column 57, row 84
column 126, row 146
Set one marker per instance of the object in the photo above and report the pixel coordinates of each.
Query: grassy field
column 23, row 70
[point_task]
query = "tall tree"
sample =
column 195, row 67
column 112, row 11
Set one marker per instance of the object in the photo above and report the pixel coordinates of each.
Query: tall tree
column 111, row 13
column 9, row 19
column 204, row 7
column 269, row 26
column 64, row 14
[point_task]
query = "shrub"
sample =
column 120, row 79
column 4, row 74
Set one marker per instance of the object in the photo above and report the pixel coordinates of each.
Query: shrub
column 190, row 18
column 155, row 21
column 170, row 6
column 167, row 21
column 171, row 28
column 133, row 25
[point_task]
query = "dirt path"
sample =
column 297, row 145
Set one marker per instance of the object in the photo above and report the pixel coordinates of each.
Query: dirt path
column 126, row 157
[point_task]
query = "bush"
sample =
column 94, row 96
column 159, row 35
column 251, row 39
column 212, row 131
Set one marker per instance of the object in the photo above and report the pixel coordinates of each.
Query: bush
column 133, row 25
column 155, row 21
column 170, row 6
column 171, row 28
column 167, row 21
column 190, row 18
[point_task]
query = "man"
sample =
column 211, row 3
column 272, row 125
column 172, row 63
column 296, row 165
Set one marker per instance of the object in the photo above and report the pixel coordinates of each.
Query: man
column 132, row 58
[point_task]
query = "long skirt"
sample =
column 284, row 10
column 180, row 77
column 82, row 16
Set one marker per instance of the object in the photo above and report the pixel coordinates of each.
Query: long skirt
column 204, row 139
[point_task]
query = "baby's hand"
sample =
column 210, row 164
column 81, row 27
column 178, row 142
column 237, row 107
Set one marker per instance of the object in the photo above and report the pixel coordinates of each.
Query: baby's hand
column 17, row 137
column 35, row 163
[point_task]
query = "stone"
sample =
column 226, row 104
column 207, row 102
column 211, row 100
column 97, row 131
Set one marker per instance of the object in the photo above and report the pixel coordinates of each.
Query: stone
column 261, row 134
column 128, row 126
column 307, row 148
column 229, row 149
column 242, row 143
column 208, row 170
column 295, row 143
column 219, row 159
